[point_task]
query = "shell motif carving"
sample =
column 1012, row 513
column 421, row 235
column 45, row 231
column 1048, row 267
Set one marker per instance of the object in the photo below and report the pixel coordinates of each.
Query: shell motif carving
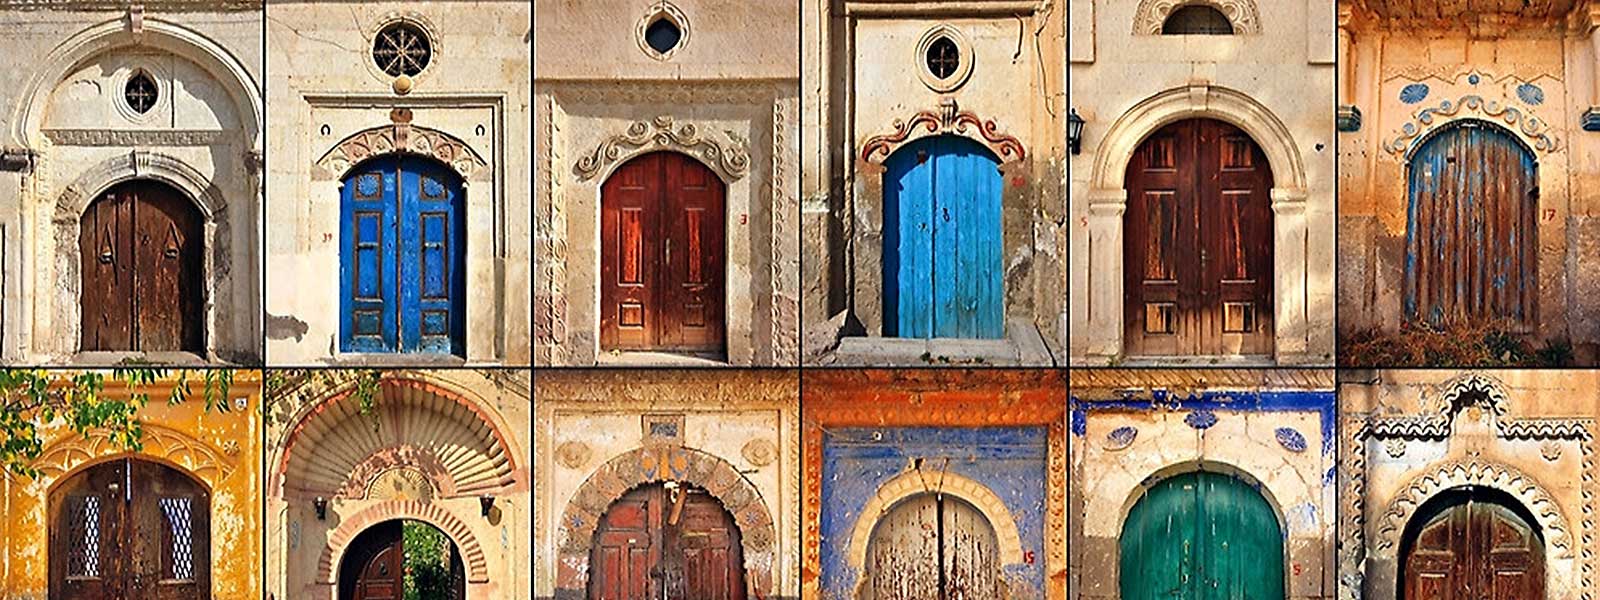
column 731, row 159
column 1120, row 438
column 1291, row 439
column 1152, row 14
column 1201, row 419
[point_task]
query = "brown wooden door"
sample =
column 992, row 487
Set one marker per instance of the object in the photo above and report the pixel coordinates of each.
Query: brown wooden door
column 1475, row 550
column 661, row 267
column 657, row 543
column 130, row 529
column 932, row 548
column 1197, row 243
column 142, row 255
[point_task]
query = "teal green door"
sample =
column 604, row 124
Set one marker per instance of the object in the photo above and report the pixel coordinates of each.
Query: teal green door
column 1202, row 536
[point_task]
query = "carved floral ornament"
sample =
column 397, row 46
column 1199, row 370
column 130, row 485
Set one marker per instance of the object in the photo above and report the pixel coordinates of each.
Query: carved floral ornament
column 1426, row 120
column 948, row 118
column 401, row 137
column 731, row 159
column 1152, row 14
column 204, row 461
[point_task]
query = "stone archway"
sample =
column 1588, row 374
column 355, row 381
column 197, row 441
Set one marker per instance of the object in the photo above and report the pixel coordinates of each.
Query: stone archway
column 1152, row 14
column 401, row 137
column 912, row 483
column 642, row 466
column 472, row 552
column 1391, row 524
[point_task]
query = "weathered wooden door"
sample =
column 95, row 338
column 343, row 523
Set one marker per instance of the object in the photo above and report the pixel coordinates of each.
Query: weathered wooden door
column 1474, row 549
column 130, row 529
column 403, row 259
column 375, row 564
column 1472, row 229
column 932, row 547
column 671, row 544
column 942, row 271
column 1202, row 536
column 662, row 259
column 1197, row 243
column 143, row 252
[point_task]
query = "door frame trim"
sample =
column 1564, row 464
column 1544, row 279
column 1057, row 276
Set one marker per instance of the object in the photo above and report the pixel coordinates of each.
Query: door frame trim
column 340, row 539
column 915, row 483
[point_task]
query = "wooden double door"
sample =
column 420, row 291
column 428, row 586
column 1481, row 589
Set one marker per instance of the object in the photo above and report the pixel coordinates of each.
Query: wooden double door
column 403, row 260
column 130, row 529
column 662, row 256
column 1473, row 546
column 1198, row 243
column 661, row 543
column 1202, row 536
column 942, row 241
column 933, row 547
column 375, row 566
column 143, row 255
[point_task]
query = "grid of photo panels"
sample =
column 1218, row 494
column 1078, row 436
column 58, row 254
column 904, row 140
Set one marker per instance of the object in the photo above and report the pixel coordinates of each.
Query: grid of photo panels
column 799, row 299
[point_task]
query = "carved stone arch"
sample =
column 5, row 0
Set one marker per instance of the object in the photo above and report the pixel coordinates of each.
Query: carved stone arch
column 1535, row 134
column 1198, row 101
column 947, row 119
column 1153, row 14
column 913, row 483
column 730, row 160
column 401, row 137
column 1476, row 472
column 472, row 554
column 140, row 164
column 70, row 453
column 1465, row 387
column 657, row 464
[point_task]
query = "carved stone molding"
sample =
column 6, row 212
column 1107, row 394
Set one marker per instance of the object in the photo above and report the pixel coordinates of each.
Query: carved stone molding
column 205, row 461
column 1152, row 14
column 401, row 137
column 1480, row 473
column 472, row 553
column 1535, row 131
column 730, row 159
column 948, row 118
column 111, row 137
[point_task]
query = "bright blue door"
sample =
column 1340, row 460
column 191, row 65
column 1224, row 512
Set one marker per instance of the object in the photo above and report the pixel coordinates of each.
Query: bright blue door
column 942, row 239
column 403, row 258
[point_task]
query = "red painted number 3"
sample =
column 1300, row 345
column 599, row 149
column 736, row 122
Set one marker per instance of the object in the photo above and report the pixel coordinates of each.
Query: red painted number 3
column 744, row 219
column 1027, row 557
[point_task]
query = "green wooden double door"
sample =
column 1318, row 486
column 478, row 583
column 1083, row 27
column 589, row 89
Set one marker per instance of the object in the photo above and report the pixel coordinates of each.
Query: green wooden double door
column 1202, row 536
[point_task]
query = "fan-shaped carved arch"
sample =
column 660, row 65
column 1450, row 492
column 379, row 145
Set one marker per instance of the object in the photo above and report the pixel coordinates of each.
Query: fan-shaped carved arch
column 432, row 514
column 1480, row 473
column 1152, row 14
column 912, row 483
column 334, row 450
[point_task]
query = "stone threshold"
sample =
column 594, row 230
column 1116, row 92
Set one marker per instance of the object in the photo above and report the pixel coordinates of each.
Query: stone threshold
column 659, row 359
column 1022, row 346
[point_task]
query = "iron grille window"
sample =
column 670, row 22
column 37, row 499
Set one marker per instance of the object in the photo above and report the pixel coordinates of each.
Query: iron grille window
column 402, row 49
column 141, row 92
column 180, row 537
column 944, row 58
column 83, row 559
column 1197, row 19
column 663, row 35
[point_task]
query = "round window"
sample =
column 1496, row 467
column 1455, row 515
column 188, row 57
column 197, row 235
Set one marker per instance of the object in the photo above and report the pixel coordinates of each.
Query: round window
column 402, row 49
column 141, row 92
column 944, row 59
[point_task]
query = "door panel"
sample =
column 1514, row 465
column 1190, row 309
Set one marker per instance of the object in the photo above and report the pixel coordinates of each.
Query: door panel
column 932, row 548
column 1471, row 233
column 942, row 241
column 1474, row 548
column 658, row 543
column 142, row 252
column 130, row 529
column 403, row 263
column 1200, row 536
column 1197, row 243
column 662, row 264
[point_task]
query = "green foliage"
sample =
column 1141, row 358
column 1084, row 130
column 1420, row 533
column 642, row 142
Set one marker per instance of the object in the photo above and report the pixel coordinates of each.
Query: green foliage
column 289, row 389
column 427, row 561
column 31, row 399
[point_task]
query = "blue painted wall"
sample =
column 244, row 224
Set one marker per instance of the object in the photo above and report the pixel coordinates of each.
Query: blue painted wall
column 1010, row 461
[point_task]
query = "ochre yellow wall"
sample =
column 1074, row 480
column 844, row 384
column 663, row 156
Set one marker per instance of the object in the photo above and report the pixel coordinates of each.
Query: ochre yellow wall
column 219, row 449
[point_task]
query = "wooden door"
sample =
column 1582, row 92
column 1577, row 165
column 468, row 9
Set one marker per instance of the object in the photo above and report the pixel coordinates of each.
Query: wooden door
column 930, row 547
column 403, row 258
column 942, row 241
column 141, row 244
column 1472, row 229
column 1197, row 244
column 130, row 529
column 662, row 256
column 1474, row 549
column 1201, row 536
column 672, row 544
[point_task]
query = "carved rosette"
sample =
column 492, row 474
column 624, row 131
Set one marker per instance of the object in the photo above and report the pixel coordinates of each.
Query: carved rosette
column 731, row 159
column 402, row 138
column 1152, row 14
column 948, row 118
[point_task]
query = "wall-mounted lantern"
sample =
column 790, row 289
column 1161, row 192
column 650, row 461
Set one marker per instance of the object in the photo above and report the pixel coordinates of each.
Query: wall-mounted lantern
column 486, row 503
column 322, row 508
column 1074, row 131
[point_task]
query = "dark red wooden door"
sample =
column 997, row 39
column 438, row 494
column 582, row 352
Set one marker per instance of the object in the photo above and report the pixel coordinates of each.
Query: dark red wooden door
column 1197, row 243
column 676, row 544
column 661, row 267
column 1475, row 550
column 374, row 566
column 142, row 255
column 130, row 529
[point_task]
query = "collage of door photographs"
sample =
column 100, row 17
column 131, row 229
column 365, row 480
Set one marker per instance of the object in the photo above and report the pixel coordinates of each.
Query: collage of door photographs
column 799, row 299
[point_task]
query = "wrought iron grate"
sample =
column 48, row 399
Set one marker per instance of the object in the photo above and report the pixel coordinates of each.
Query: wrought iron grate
column 180, row 530
column 141, row 92
column 402, row 49
column 83, row 558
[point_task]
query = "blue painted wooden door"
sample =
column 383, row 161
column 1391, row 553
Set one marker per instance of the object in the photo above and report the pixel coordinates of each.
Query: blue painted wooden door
column 1472, row 220
column 1202, row 536
column 403, row 258
column 942, row 241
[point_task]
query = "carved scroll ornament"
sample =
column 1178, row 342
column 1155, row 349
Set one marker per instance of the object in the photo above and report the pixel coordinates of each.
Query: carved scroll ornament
column 947, row 119
column 731, row 160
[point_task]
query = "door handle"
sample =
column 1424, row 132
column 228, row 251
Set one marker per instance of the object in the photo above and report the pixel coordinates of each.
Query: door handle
column 946, row 210
column 105, row 257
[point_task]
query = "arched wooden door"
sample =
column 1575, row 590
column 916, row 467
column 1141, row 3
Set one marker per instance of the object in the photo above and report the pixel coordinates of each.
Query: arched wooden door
column 130, row 529
column 932, row 547
column 1197, row 243
column 1472, row 544
column 403, row 258
column 1199, row 536
column 662, row 257
column 397, row 559
column 142, row 246
column 1472, row 229
column 942, row 240
column 670, row 544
